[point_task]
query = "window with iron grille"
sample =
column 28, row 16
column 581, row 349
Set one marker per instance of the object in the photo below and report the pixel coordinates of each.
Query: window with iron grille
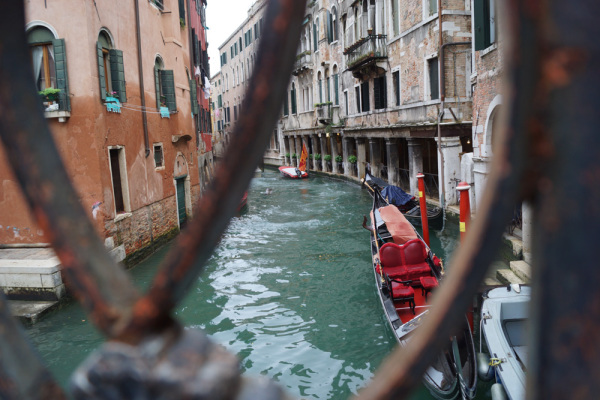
column 158, row 3
column 158, row 156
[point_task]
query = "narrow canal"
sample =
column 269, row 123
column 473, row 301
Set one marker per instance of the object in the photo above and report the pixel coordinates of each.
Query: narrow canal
column 289, row 290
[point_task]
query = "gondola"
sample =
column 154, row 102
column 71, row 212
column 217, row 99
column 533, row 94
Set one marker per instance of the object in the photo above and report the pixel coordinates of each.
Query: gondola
column 406, row 271
column 406, row 203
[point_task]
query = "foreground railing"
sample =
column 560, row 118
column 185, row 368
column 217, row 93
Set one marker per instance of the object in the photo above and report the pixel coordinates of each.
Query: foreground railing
column 547, row 155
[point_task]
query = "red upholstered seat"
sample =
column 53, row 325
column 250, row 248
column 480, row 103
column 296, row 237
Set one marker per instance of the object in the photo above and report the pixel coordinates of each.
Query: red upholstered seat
column 428, row 283
column 405, row 262
column 402, row 292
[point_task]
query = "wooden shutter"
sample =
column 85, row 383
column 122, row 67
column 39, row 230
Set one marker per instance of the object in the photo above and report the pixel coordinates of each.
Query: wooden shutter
column 336, row 89
column 481, row 24
column 365, row 96
column 182, row 9
column 194, row 96
column 329, row 28
column 101, row 76
column 117, row 73
column 377, row 93
column 328, row 89
column 62, row 81
column 433, row 79
column 293, row 94
column 168, row 88
column 315, row 39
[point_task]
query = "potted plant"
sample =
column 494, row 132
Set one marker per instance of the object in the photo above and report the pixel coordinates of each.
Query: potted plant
column 49, row 95
column 352, row 160
column 327, row 158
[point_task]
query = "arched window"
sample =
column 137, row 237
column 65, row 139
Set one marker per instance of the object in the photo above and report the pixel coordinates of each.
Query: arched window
column 41, row 47
column 164, row 81
column 111, row 72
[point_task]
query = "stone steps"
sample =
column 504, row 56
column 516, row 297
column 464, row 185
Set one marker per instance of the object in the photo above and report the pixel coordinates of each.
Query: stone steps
column 507, row 277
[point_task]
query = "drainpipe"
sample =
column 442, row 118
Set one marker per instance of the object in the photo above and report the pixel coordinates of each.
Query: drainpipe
column 141, row 74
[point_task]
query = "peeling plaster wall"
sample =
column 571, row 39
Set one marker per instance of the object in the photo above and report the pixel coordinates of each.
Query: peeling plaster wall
column 84, row 139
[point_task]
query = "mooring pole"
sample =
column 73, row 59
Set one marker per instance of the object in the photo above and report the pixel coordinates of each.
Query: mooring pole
column 423, row 204
column 465, row 209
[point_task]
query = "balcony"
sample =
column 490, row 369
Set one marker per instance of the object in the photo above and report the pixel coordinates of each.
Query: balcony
column 324, row 113
column 303, row 63
column 363, row 56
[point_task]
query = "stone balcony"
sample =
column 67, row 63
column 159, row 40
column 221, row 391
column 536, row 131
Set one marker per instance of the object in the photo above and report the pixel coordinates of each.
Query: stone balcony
column 303, row 63
column 365, row 55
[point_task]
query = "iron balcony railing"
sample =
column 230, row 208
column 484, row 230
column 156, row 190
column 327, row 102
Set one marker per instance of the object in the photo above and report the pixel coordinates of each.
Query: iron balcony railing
column 366, row 50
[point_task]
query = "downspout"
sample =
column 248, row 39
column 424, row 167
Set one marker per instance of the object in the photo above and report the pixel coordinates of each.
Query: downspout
column 441, row 113
column 141, row 74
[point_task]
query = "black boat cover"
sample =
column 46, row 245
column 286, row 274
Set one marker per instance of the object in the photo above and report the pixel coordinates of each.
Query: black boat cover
column 396, row 196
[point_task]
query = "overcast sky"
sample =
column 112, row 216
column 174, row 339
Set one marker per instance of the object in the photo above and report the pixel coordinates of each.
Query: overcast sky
column 222, row 18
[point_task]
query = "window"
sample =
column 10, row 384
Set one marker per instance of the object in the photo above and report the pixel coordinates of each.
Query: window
column 158, row 3
column 165, row 86
column 431, row 7
column 293, row 96
column 485, row 23
column 316, row 34
column 395, row 18
column 111, row 72
column 118, row 170
column 336, row 95
column 158, row 156
column 357, row 98
column 223, row 58
column 328, row 85
column 334, row 24
column 329, row 27
column 232, row 55
column 380, row 92
column 194, row 96
column 285, row 106
column 364, row 96
column 346, row 102
column 396, row 82
column 182, row 10
column 220, row 101
column 256, row 33
column 235, row 113
column 235, row 47
column 434, row 91
column 48, row 56
column 240, row 42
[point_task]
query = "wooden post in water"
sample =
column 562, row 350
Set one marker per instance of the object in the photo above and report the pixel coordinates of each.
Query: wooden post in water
column 465, row 209
column 423, row 204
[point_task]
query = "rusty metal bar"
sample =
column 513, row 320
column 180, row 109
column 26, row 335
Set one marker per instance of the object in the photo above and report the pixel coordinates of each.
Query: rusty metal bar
column 261, row 108
column 22, row 373
column 103, row 288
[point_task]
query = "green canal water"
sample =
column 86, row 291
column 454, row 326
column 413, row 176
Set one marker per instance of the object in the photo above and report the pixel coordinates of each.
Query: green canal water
column 289, row 290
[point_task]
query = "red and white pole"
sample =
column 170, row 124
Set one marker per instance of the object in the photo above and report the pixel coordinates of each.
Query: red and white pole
column 465, row 209
column 423, row 204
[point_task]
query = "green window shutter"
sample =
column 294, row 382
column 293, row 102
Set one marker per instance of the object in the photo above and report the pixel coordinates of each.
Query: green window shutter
column 328, row 89
column 315, row 36
column 157, row 85
column 182, row 9
column 193, row 96
column 62, row 81
column 293, row 95
column 481, row 24
column 168, row 88
column 117, row 73
column 101, row 76
column 336, row 89
column 329, row 28
column 320, row 90
column 220, row 101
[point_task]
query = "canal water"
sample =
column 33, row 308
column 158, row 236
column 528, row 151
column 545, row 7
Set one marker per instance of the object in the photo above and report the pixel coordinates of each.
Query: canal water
column 289, row 290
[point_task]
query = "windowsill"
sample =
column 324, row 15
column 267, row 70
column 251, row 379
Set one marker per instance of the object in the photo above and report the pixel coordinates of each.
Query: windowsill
column 61, row 115
column 122, row 216
column 488, row 50
column 162, row 168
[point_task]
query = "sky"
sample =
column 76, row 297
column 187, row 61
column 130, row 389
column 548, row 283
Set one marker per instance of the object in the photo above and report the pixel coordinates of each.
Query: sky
column 222, row 18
